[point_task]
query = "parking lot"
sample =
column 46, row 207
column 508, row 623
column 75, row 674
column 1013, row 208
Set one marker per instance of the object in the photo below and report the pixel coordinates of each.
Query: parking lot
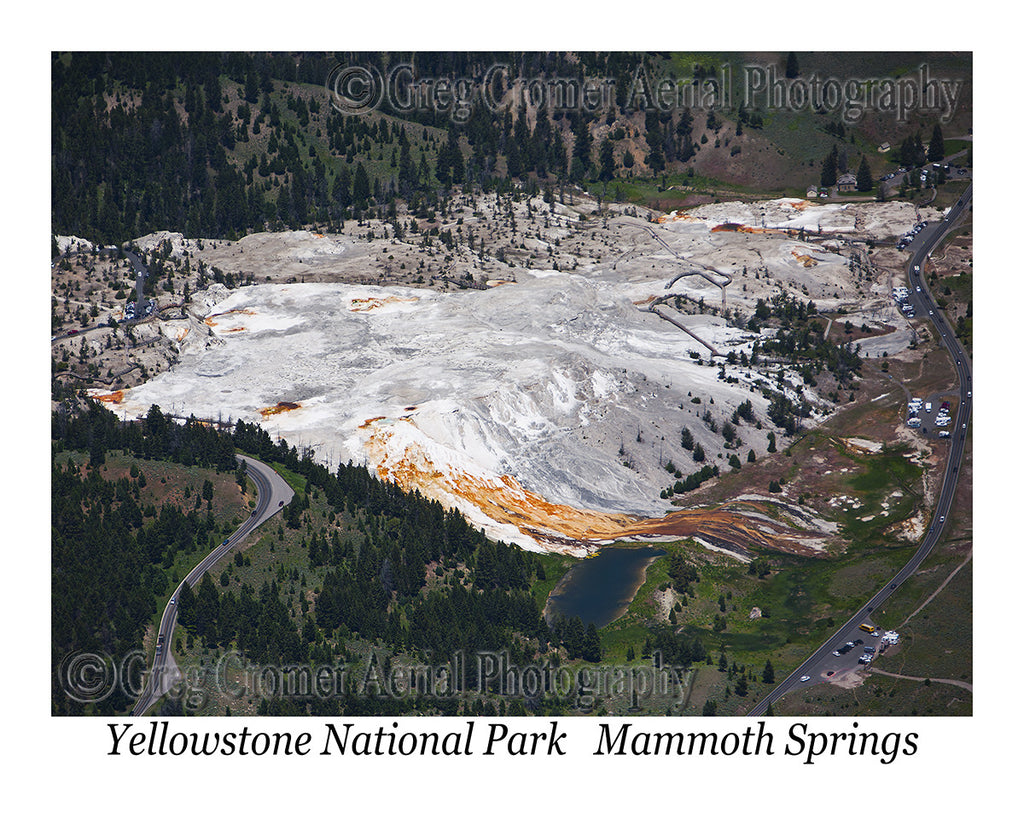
column 860, row 649
column 931, row 416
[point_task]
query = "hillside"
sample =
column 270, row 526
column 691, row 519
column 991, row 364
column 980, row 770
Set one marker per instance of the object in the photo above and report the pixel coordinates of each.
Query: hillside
column 222, row 145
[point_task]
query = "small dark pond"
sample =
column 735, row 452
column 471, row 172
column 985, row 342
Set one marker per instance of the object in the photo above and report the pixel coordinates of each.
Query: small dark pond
column 599, row 589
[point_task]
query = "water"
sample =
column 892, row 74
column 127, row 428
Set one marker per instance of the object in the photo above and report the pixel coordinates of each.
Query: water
column 599, row 589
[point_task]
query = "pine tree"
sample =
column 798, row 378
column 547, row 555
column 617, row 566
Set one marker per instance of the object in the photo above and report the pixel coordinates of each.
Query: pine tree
column 937, row 147
column 792, row 66
column 582, row 141
column 186, row 606
column 607, row 161
column 455, row 161
column 864, row 180
column 829, row 168
column 360, row 186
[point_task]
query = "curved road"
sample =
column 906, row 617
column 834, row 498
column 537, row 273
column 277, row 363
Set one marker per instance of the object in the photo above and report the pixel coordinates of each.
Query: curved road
column 140, row 274
column 274, row 493
column 812, row 666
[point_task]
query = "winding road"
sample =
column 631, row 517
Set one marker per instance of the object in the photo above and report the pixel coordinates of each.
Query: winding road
column 812, row 666
column 694, row 271
column 138, row 267
column 274, row 493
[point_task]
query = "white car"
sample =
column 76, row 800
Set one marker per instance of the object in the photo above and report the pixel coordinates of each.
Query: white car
column 804, row 678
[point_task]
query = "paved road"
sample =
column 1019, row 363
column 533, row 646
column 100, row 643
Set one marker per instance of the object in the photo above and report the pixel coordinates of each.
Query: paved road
column 140, row 274
column 813, row 666
column 274, row 493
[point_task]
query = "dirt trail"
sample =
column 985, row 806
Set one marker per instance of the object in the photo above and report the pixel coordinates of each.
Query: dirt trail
column 958, row 683
column 935, row 593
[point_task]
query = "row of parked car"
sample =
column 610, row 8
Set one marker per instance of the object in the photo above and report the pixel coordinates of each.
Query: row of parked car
column 909, row 236
column 866, row 657
column 900, row 296
column 147, row 309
